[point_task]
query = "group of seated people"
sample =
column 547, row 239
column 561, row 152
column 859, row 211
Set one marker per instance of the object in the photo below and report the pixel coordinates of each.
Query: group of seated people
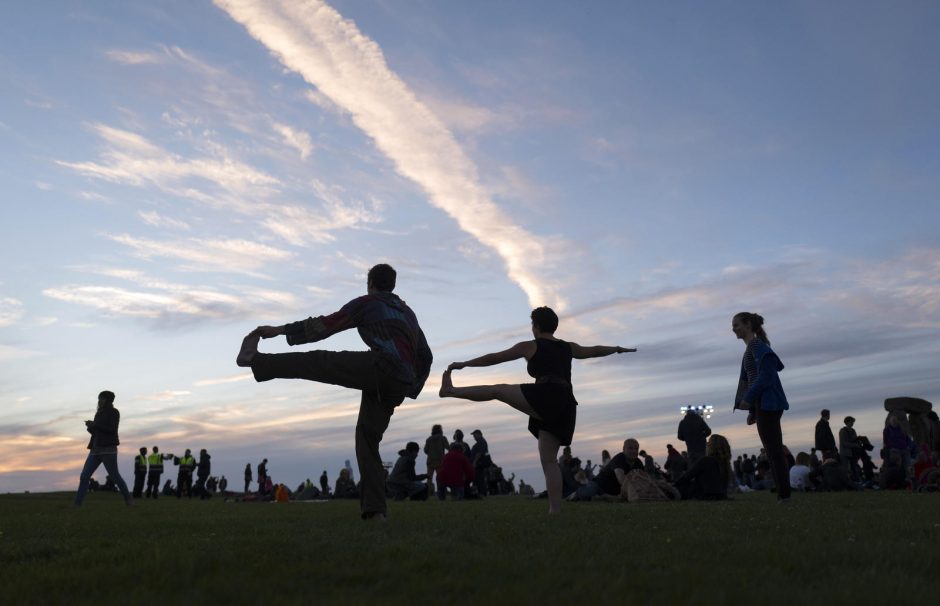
column 456, row 476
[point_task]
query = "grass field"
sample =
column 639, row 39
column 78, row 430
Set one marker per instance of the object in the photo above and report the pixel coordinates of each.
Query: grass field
column 862, row 548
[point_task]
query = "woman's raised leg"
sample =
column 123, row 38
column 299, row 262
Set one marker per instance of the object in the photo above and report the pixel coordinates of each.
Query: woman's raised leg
column 510, row 394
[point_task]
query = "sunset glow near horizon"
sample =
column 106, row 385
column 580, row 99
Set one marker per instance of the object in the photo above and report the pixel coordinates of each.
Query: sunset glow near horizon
column 177, row 173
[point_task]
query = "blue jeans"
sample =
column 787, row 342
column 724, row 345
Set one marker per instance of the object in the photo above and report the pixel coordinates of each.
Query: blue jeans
column 110, row 464
column 586, row 491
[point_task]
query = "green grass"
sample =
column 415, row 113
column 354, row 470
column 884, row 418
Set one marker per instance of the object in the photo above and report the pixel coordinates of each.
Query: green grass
column 864, row 548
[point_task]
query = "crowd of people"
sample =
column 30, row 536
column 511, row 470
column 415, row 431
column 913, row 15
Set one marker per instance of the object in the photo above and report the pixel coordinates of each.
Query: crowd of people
column 397, row 365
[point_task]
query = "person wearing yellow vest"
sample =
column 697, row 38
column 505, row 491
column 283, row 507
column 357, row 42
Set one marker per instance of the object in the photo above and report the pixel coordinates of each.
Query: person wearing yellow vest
column 184, row 479
column 140, row 472
column 156, row 470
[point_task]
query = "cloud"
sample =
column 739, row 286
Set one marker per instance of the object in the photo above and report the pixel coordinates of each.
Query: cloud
column 9, row 353
column 156, row 220
column 300, row 225
column 170, row 304
column 11, row 310
column 133, row 160
column 224, row 380
column 232, row 255
column 350, row 70
column 126, row 57
column 297, row 139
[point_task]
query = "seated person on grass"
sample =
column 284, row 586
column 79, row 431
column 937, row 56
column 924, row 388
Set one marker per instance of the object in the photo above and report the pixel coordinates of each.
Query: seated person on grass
column 403, row 483
column 708, row 477
column 609, row 480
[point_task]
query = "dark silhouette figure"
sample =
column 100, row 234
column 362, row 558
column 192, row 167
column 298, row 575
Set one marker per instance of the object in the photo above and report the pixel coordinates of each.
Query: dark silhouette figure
column 395, row 367
column 262, row 476
column 825, row 441
column 549, row 401
column 693, row 430
column 140, row 472
column 203, row 474
column 324, row 484
column 154, row 472
column 103, row 447
column 184, row 477
column 247, row 477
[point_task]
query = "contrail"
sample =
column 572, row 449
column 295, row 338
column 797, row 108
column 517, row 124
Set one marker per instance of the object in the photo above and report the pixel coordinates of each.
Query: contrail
column 329, row 52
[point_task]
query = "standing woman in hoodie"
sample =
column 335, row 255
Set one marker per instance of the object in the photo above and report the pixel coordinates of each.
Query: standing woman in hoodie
column 103, row 446
column 761, row 394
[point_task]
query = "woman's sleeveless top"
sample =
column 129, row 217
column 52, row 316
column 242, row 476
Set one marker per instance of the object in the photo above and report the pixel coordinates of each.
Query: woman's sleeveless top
column 551, row 362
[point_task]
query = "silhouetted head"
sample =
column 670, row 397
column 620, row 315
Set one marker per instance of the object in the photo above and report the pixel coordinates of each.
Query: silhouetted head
column 106, row 399
column 718, row 447
column 849, row 421
column 155, row 450
column 143, row 450
column 544, row 320
column 631, row 448
column 746, row 325
column 437, row 430
column 458, row 436
column 382, row 278
column 802, row 459
column 477, row 434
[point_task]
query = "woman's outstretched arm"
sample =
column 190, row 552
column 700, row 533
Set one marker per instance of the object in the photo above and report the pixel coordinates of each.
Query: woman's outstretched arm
column 597, row 351
column 520, row 350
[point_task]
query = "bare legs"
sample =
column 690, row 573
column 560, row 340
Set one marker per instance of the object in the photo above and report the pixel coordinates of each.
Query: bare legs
column 512, row 395
column 249, row 349
column 548, row 456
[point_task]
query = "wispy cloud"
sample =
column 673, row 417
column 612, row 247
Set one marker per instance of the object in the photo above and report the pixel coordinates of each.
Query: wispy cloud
column 128, row 57
column 11, row 310
column 157, row 220
column 295, row 138
column 224, row 380
column 171, row 304
column 8, row 353
column 131, row 159
column 233, row 255
column 349, row 68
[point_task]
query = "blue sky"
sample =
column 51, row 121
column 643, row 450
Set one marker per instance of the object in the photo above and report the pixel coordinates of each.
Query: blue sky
column 175, row 174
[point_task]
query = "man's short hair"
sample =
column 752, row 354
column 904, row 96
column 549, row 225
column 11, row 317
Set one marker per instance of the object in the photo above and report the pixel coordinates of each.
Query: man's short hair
column 106, row 395
column 848, row 420
column 545, row 319
column 824, row 412
column 382, row 277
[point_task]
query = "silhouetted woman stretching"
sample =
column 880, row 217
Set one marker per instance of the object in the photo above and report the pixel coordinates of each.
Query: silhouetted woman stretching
column 549, row 401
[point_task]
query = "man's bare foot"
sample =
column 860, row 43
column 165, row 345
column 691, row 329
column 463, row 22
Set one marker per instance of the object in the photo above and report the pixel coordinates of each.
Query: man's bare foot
column 447, row 385
column 249, row 348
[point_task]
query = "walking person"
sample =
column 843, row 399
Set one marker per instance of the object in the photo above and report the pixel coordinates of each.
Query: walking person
column 549, row 402
column 761, row 394
column 140, row 472
column 395, row 367
column 103, row 447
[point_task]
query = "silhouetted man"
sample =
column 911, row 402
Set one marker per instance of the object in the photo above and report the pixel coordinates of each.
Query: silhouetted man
column 396, row 366
column 825, row 441
column 155, row 471
column 140, row 472
column 693, row 430
column 184, row 478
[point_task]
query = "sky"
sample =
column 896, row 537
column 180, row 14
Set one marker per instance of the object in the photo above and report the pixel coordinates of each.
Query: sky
column 176, row 173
